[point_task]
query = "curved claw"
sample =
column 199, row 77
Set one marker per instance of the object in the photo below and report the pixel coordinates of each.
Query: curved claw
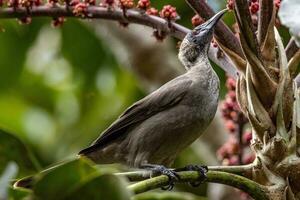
column 202, row 170
column 162, row 170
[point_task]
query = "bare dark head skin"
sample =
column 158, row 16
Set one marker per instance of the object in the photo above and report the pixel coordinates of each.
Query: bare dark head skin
column 158, row 127
column 197, row 42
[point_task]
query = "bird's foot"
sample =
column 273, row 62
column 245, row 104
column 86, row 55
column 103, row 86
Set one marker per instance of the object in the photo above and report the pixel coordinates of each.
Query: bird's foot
column 202, row 170
column 157, row 170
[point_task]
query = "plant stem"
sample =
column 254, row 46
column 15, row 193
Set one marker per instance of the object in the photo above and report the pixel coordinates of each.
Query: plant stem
column 238, row 170
column 254, row 189
column 243, row 18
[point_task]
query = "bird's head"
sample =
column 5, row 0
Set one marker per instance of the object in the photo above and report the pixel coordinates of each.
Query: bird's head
column 196, row 43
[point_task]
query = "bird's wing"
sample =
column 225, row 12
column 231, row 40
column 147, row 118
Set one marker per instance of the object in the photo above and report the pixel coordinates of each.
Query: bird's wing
column 165, row 97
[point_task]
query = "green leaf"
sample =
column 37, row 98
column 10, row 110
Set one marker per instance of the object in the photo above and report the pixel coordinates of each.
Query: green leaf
column 167, row 196
column 83, row 49
column 19, row 193
column 15, row 42
column 13, row 149
column 289, row 13
column 102, row 187
column 57, row 182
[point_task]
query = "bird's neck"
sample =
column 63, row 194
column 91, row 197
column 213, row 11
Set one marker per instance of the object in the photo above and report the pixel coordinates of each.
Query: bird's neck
column 200, row 65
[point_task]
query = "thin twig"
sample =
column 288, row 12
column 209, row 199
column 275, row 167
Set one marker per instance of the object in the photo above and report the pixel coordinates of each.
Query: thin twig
column 132, row 16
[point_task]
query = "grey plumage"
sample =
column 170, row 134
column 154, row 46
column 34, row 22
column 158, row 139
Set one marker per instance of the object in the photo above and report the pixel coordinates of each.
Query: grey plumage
column 158, row 127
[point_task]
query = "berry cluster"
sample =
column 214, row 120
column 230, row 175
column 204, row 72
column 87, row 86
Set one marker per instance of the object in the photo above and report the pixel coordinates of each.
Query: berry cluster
column 230, row 4
column 236, row 150
column 152, row 11
column 232, row 152
column 80, row 9
column 197, row 20
column 144, row 4
column 254, row 6
column 169, row 12
column 126, row 4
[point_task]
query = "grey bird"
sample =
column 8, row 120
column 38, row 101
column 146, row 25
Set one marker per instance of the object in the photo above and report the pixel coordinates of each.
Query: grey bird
column 155, row 129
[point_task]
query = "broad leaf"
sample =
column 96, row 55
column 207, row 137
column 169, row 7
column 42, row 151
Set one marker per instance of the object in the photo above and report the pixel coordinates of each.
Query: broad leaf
column 15, row 42
column 13, row 149
column 60, row 180
column 102, row 187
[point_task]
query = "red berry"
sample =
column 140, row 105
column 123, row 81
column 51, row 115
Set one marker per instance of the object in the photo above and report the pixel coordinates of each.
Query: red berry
column 232, row 146
column 277, row 4
column 152, row 11
column 197, row 20
column 168, row 12
column 230, row 83
column 144, row 4
column 233, row 160
column 126, row 4
column 247, row 137
column 254, row 7
column 230, row 4
column 80, row 9
column 232, row 95
column 231, row 127
column 248, row 158
column 58, row 21
column 233, row 115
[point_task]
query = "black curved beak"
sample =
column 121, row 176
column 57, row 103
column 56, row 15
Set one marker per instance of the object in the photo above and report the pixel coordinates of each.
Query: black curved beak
column 209, row 24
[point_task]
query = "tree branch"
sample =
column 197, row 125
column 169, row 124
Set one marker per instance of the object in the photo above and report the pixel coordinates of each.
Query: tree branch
column 237, row 170
column 132, row 16
column 254, row 189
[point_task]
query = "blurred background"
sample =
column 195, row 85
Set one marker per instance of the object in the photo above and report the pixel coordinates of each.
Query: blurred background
column 60, row 87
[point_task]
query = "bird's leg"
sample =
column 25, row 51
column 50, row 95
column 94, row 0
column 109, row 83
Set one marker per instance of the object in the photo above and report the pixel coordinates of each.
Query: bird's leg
column 157, row 170
column 202, row 170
